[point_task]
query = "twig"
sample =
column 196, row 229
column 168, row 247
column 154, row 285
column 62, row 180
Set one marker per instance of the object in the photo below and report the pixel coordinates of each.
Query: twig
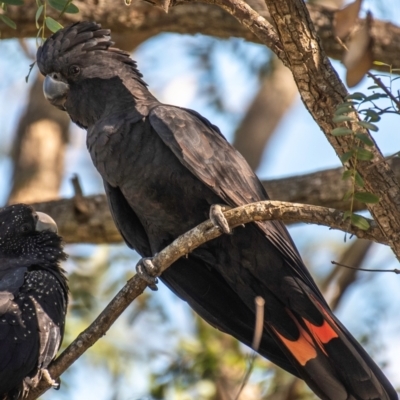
column 258, row 330
column 379, row 82
column 255, row 212
column 396, row 271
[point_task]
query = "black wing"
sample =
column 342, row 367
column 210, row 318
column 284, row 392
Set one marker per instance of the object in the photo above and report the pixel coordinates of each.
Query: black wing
column 127, row 221
column 193, row 281
column 19, row 344
column 202, row 149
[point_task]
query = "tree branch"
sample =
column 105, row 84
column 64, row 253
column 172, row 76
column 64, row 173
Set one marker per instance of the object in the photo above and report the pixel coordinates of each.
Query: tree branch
column 137, row 23
column 184, row 245
column 322, row 91
column 95, row 224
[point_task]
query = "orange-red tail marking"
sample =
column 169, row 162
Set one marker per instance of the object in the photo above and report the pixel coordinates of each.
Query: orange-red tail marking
column 304, row 348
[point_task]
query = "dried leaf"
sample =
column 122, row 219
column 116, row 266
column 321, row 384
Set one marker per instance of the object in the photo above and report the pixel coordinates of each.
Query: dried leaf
column 346, row 18
column 358, row 59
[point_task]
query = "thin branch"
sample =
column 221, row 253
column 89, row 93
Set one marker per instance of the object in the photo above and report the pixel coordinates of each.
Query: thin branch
column 379, row 82
column 184, row 245
column 395, row 270
column 258, row 331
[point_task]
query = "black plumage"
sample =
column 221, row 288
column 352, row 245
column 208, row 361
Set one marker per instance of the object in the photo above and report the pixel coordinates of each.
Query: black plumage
column 163, row 167
column 33, row 298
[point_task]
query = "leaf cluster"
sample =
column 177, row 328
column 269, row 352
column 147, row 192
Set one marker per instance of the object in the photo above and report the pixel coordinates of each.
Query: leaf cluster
column 42, row 20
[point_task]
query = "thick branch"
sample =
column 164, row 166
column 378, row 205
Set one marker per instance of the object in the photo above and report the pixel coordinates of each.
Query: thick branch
column 141, row 21
column 95, row 224
column 184, row 245
column 322, row 91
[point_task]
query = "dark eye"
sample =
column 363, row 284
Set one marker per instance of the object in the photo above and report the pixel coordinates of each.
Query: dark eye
column 25, row 228
column 74, row 70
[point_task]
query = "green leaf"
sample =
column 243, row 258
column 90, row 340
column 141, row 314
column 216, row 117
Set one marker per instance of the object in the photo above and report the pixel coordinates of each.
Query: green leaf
column 358, row 179
column 8, row 21
column 346, row 215
column 341, row 118
column 372, row 115
column 356, row 96
column 363, row 154
column 373, row 87
column 52, row 24
column 368, row 125
column 341, row 131
column 63, row 6
column 37, row 16
column 347, row 174
column 376, row 96
column 365, row 139
column 366, row 197
column 347, row 104
column 343, row 110
column 13, row 2
column 359, row 222
column 347, row 195
column 346, row 156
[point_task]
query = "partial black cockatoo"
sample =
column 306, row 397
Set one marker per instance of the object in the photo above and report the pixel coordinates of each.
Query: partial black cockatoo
column 163, row 168
column 33, row 298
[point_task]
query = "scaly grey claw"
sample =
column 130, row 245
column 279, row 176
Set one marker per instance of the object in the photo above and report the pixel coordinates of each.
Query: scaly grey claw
column 146, row 269
column 217, row 217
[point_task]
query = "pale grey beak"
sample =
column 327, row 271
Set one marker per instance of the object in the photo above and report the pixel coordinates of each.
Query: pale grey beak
column 45, row 223
column 55, row 90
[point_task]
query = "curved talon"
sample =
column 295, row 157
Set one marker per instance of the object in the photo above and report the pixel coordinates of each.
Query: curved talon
column 217, row 217
column 55, row 383
column 146, row 269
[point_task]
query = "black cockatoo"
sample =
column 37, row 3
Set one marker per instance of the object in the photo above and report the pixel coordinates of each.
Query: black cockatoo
column 163, row 168
column 33, row 298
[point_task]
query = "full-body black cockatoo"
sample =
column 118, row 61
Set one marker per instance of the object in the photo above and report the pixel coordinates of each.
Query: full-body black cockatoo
column 33, row 298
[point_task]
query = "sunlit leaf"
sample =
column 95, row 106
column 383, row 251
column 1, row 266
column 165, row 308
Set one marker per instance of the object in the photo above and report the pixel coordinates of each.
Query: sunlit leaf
column 37, row 16
column 359, row 222
column 343, row 110
column 53, row 25
column 380, row 63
